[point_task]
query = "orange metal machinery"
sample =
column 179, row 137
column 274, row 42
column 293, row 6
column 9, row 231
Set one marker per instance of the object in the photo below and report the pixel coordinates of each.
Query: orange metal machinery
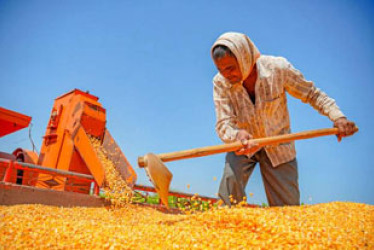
column 75, row 117
column 68, row 160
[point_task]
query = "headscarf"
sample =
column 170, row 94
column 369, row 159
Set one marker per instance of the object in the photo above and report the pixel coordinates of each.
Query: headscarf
column 242, row 47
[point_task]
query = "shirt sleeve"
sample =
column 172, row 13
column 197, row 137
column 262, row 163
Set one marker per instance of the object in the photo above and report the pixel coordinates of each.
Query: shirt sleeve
column 226, row 119
column 306, row 91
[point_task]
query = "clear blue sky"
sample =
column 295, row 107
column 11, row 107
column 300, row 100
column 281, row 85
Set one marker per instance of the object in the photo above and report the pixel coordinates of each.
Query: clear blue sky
column 149, row 63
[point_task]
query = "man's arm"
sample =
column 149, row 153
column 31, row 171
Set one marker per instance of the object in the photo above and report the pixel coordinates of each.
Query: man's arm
column 225, row 118
column 298, row 87
column 226, row 123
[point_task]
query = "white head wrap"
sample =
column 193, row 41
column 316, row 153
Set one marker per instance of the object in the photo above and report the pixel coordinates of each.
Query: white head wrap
column 242, row 47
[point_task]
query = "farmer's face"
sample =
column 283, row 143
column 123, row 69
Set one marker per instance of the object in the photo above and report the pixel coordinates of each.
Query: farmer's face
column 229, row 68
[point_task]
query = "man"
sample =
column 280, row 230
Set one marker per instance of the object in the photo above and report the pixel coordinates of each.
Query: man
column 250, row 102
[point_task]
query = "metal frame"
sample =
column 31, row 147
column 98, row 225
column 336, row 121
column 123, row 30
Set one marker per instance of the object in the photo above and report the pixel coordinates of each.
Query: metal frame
column 39, row 169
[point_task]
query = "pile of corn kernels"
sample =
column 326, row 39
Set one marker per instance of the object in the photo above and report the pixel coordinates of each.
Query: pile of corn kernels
column 342, row 225
column 127, row 226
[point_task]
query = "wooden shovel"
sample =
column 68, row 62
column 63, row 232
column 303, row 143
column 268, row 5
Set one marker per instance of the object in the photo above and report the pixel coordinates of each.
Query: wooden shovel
column 161, row 177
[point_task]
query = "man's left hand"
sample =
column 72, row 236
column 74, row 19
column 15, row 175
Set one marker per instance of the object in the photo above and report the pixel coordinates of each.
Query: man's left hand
column 346, row 127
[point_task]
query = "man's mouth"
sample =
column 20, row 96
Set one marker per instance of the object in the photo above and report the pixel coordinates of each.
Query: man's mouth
column 233, row 79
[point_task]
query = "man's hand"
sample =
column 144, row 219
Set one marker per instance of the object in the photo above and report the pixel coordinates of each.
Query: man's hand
column 346, row 127
column 248, row 146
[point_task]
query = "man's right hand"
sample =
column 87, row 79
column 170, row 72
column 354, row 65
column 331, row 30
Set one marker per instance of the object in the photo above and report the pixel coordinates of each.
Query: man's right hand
column 248, row 145
column 346, row 127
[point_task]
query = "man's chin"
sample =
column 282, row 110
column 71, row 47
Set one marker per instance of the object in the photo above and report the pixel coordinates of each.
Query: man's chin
column 234, row 81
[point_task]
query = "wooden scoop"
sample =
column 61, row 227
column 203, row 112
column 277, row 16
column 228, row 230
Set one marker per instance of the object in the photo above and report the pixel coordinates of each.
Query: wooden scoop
column 161, row 177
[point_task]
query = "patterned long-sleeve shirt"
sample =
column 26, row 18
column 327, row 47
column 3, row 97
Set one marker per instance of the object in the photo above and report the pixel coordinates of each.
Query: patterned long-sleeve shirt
column 269, row 115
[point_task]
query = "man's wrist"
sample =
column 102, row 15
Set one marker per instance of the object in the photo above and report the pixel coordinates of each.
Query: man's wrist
column 235, row 134
column 341, row 118
column 336, row 114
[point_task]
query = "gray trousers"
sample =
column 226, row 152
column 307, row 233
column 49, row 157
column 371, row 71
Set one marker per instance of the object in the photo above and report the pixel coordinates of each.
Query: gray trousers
column 281, row 183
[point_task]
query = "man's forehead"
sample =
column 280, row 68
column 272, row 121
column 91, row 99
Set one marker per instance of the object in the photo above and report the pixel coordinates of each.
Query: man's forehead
column 226, row 60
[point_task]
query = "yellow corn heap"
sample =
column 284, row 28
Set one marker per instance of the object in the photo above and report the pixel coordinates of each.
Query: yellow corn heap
column 116, row 189
column 342, row 225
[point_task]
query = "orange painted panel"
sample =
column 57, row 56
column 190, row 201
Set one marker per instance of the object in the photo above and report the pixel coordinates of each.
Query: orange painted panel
column 11, row 121
column 83, row 145
column 78, row 165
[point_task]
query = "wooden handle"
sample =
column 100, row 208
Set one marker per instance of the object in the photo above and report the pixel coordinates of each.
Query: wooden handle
column 273, row 140
column 210, row 150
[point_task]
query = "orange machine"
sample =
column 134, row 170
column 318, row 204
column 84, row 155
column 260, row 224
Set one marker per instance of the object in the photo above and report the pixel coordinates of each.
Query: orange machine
column 68, row 160
column 75, row 117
